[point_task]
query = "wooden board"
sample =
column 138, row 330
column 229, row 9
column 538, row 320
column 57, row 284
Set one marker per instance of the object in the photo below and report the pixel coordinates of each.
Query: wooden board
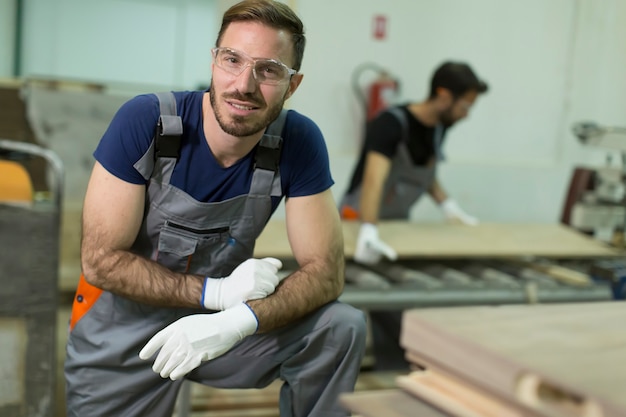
column 411, row 240
column 441, row 240
column 577, row 348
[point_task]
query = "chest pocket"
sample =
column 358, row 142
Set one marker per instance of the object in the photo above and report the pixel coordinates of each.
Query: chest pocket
column 183, row 248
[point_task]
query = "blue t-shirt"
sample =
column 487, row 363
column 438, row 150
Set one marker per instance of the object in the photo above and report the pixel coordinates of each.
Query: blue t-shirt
column 304, row 166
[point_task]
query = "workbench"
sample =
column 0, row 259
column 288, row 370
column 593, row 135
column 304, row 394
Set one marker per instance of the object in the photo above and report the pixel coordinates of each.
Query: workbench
column 447, row 264
column 443, row 240
column 442, row 251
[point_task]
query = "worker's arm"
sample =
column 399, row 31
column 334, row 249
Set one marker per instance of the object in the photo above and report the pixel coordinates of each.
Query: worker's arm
column 316, row 239
column 112, row 214
column 369, row 247
column 375, row 175
column 451, row 209
column 437, row 192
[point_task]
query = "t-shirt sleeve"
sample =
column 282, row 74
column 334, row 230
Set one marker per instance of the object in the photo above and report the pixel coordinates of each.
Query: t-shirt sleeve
column 383, row 134
column 128, row 137
column 305, row 158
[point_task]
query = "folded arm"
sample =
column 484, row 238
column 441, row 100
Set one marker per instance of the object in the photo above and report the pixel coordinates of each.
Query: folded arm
column 112, row 215
column 316, row 239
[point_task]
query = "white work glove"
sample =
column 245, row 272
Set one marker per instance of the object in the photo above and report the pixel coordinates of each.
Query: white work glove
column 253, row 279
column 454, row 213
column 192, row 339
column 369, row 248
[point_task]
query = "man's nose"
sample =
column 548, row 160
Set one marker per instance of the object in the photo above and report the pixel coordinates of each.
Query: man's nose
column 246, row 82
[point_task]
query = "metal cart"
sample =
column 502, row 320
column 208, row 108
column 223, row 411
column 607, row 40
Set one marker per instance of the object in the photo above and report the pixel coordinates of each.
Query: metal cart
column 29, row 261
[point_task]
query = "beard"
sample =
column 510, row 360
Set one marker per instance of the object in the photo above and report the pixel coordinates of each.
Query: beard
column 243, row 126
column 446, row 118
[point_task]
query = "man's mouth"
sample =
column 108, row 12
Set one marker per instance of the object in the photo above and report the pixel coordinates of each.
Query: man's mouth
column 242, row 106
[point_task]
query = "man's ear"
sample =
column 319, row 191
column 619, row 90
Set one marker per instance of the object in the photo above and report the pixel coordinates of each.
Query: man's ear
column 444, row 95
column 294, row 82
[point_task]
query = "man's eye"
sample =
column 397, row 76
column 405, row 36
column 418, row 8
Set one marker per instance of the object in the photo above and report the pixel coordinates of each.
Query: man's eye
column 269, row 69
column 231, row 59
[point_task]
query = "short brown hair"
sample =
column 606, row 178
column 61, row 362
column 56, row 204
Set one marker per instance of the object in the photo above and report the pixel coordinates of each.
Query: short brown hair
column 458, row 78
column 271, row 13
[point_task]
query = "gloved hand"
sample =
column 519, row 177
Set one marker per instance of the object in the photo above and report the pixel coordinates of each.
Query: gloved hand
column 192, row 339
column 369, row 247
column 454, row 213
column 253, row 279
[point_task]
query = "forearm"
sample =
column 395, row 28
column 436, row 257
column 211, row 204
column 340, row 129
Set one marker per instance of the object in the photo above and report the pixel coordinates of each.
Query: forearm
column 375, row 174
column 370, row 204
column 112, row 215
column 313, row 285
column 131, row 276
column 437, row 192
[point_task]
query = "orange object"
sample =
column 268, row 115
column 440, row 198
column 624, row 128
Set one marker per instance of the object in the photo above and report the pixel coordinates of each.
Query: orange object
column 349, row 213
column 15, row 183
column 85, row 297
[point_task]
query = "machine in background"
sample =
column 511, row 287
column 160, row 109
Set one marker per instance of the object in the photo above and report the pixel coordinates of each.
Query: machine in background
column 596, row 199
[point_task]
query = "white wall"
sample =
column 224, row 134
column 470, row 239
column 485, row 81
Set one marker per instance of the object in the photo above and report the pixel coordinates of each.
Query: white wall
column 151, row 42
column 548, row 63
column 7, row 37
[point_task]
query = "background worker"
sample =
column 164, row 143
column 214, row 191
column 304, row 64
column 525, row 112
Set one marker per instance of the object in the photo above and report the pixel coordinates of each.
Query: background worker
column 397, row 165
column 169, row 287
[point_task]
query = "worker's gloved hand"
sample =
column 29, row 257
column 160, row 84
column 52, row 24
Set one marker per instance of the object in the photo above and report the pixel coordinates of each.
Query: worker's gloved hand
column 454, row 213
column 192, row 339
column 369, row 248
column 253, row 279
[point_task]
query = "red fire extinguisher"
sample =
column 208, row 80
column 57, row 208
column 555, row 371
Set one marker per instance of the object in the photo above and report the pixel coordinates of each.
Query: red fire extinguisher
column 381, row 94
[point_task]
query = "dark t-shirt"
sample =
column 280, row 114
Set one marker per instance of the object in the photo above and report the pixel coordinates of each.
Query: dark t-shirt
column 304, row 163
column 384, row 133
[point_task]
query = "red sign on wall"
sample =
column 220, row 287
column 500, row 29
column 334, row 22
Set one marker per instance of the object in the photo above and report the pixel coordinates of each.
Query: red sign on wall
column 380, row 26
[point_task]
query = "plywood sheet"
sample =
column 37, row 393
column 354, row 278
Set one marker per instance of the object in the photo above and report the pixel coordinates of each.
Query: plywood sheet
column 440, row 240
column 578, row 346
column 411, row 240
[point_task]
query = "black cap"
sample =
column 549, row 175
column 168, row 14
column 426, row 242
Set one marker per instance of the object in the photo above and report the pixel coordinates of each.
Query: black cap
column 457, row 77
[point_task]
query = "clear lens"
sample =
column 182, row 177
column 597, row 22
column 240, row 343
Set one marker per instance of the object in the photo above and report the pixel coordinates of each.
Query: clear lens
column 270, row 71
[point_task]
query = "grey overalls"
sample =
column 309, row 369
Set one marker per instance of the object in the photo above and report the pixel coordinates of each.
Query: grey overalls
column 317, row 359
column 406, row 182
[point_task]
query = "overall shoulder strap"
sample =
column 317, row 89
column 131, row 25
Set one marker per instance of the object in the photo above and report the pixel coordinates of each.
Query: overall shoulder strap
column 403, row 147
column 169, row 127
column 267, row 155
column 400, row 115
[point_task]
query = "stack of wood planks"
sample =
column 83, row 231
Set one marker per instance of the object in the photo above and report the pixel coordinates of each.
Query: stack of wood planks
column 517, row 360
